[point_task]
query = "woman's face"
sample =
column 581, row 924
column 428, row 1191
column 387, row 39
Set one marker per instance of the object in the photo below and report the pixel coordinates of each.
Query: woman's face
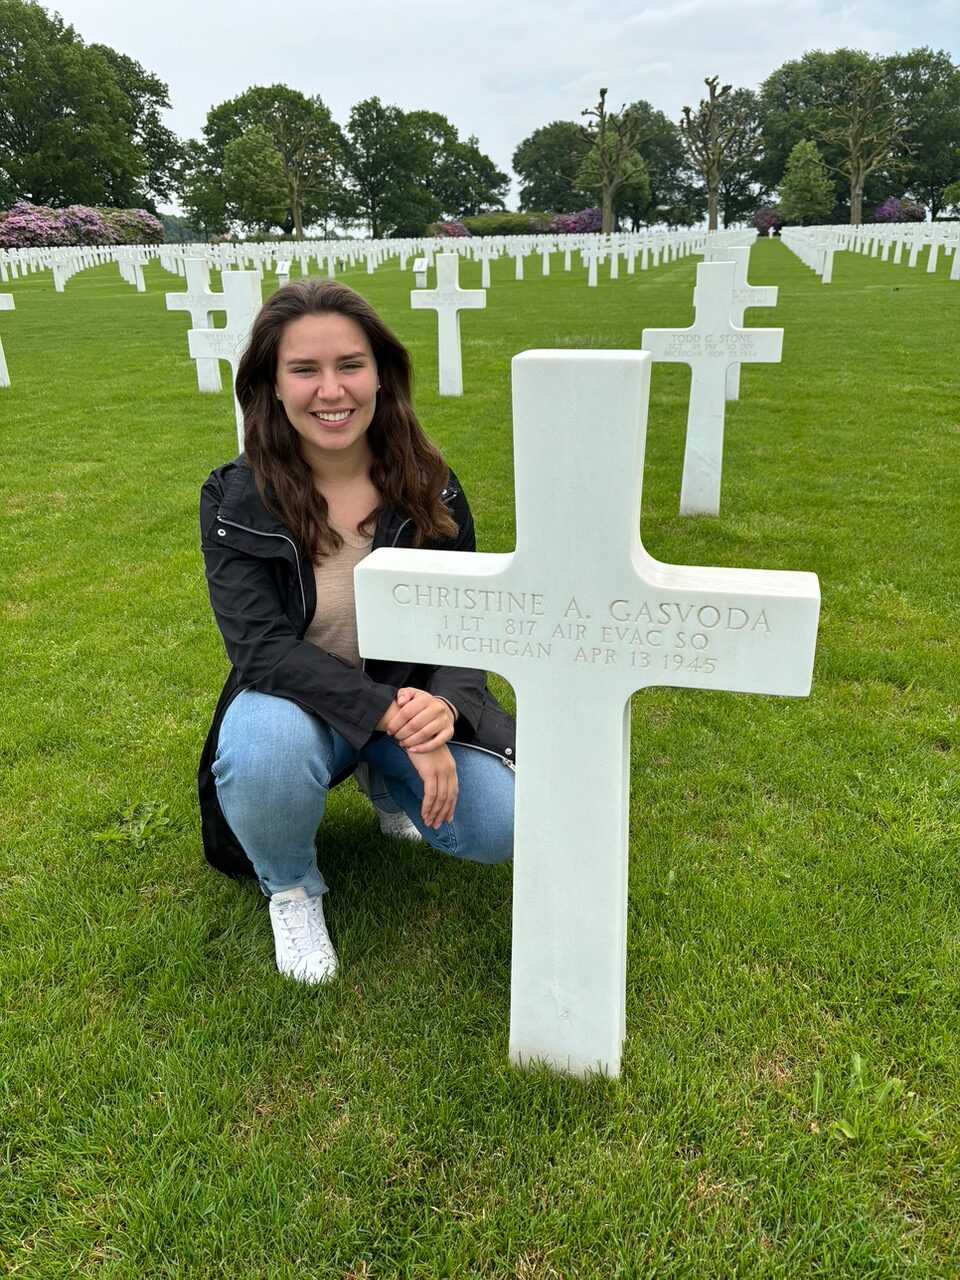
column 327, row 382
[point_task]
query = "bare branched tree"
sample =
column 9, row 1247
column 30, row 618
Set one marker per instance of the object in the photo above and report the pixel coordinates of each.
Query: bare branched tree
column 717, row 141
column 869, row 126
column 613, row 159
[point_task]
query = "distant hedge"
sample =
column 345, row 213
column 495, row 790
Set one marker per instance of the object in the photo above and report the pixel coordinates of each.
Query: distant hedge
column 501, row 224
column 531, row 224
column 32, row 226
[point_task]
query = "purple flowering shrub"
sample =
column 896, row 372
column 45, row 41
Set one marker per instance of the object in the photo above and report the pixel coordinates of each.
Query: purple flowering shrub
column 27, row 226
column 897, row 210
column 452, row 227
column 767, row 216
column 30, row 226
column 585, row 222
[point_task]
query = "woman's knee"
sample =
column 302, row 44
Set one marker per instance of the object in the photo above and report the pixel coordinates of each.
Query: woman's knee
column 272, row 743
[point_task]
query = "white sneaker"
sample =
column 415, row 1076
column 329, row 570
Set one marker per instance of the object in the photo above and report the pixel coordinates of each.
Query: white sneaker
column 303, row 946
column 395, row 825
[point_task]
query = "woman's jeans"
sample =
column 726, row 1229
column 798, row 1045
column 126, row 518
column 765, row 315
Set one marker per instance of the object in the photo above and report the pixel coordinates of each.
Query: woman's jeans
column 273, row 769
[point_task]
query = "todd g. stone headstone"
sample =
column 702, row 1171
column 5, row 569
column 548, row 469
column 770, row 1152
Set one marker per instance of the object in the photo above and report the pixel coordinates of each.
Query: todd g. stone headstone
column 711, row 346
column 578, row 618
column 448, row 300
column 744, row 295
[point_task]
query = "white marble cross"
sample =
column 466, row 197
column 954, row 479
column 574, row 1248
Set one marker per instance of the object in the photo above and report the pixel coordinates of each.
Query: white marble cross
column 241, row 301
column 448, row 300
column 578, row 618
column 201, row 302
column 486, row 252
column 744, row 295
column 710, row 346
column 589, row 257
column 6, row 304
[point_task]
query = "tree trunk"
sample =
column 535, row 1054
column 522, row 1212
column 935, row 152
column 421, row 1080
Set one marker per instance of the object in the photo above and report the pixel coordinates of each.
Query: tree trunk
column 713, row 206
column 606, row 211
column 856, row 204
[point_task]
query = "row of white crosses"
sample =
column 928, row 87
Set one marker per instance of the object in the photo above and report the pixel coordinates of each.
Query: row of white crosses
column 578, row 618
column 814, row 250
column 648, row 246
column 815, row 246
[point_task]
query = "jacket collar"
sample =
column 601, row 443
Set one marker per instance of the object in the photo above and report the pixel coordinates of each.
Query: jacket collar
column 241, row 504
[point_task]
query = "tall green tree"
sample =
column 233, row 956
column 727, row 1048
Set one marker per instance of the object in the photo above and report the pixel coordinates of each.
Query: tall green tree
column 77, row 122
column 254, row 181
column 666, row 174
column 547, row 163
column 720, row 139
column 302, row 134
column 927, row 83
column 158, row 147
column 741, row 188
column 464, row 180
column 386, row 155
column 806, row 192
column 407, row 168
column 200, row 185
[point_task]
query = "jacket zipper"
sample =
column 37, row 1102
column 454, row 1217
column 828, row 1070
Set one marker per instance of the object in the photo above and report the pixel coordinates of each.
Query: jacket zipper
column 472, row 746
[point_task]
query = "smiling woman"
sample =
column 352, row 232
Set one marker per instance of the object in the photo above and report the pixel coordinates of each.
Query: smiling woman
column 327, row 384
column 336, row 463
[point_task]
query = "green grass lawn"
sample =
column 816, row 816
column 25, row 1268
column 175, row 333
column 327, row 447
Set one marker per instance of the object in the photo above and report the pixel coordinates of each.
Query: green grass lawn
column 790, row 1098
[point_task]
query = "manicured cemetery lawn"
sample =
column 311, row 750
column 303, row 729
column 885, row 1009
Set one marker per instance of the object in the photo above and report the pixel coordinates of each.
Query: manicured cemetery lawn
column 790, row 1098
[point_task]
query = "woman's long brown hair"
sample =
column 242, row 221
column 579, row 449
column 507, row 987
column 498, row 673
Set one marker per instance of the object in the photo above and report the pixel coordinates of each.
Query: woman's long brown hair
column 408, row 470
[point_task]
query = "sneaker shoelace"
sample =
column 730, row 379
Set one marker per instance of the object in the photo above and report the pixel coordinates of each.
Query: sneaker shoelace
column 302, row 928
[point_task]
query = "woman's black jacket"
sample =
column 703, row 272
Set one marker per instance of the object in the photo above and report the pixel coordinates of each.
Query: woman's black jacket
column 263, row 592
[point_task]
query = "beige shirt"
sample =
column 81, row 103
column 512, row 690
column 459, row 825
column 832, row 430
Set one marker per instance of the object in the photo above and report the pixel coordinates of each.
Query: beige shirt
column 334, row 625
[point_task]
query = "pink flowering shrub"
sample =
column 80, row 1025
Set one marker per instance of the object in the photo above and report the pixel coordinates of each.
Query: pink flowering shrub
column 30, row 226
column 453, row 227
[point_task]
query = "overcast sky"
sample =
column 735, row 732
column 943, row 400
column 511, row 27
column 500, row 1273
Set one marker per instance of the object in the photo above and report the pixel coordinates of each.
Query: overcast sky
column 499, row 68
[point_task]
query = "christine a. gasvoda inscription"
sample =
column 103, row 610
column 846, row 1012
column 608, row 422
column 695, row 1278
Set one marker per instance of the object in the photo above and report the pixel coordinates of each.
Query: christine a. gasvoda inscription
column 474, row 626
